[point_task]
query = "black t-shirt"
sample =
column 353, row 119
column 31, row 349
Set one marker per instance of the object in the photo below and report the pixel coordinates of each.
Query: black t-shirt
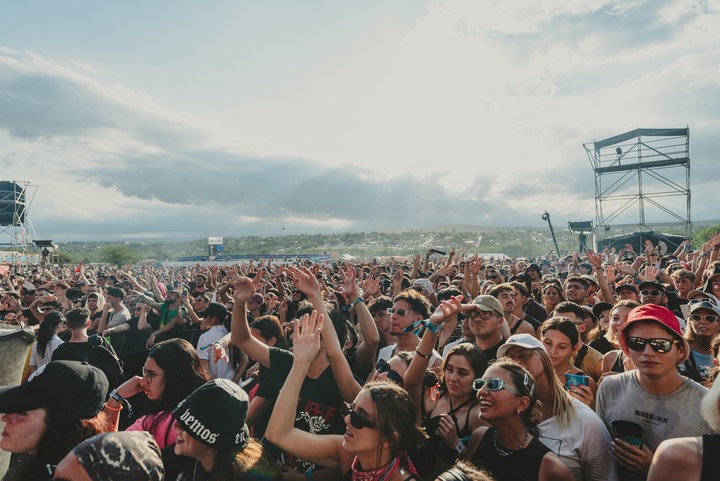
column 319, row 404
column 77, row 351
column 491, row 354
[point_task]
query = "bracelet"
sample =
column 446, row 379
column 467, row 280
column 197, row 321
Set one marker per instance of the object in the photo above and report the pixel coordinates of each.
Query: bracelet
column 357, row 301
column 635, row 275
column 424, row 356
column 434, row 328
column 460, row 446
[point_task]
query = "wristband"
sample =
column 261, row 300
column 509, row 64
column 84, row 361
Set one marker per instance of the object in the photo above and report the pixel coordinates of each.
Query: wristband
column 460, row 446
column 309, row 474
column 114, row 395
column 434, row 328
column 424, row 356
column 357, row 301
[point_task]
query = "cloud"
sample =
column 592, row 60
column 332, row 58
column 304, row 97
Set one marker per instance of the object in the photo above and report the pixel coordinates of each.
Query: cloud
column 475, row 114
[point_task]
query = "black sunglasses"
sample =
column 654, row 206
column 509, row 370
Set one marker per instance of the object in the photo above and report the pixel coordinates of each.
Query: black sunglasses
column 383, row 366
column 400, row 312
column 356, row 419
column 658, row 345
column 654, row 292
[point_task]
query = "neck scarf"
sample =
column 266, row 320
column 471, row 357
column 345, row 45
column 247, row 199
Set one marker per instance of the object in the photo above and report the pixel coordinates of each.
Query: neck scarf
column 383, row 473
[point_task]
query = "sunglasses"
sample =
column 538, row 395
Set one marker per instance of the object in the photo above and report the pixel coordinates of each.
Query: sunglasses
column 400, row 312
column 356, row 419
column 707, row 317
column 382, row 366
column 702, row 299
column 658, row 345
column 494, row 384
column 654, row 292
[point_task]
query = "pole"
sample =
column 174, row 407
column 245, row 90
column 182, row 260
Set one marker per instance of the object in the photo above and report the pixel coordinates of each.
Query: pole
column 546, row 216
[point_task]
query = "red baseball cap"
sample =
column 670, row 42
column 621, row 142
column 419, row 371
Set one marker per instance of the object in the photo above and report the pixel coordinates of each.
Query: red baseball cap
column 661, row 315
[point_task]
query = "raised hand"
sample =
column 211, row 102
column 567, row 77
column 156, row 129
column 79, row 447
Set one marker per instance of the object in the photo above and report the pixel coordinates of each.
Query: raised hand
column 304, row 280
column 349, row 287
column 594, row 259
column 306, row 337
column 243, row 289
column 446, row 310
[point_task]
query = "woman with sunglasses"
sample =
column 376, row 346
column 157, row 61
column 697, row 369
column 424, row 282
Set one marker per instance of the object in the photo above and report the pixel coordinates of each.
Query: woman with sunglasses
column 510, row 449
column 171, row 372
column 567, row 426
column 703, row 324
column 562, row 341
column 381, row 425
column 453, row 413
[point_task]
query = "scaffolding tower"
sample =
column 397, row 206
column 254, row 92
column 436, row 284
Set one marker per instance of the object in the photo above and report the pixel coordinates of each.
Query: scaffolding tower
column 16, row 230
column 647, row 168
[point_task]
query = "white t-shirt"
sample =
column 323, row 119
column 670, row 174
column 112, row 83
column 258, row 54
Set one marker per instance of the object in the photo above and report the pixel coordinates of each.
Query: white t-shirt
column 220, row 369
column 584, row 446
column 36, row 359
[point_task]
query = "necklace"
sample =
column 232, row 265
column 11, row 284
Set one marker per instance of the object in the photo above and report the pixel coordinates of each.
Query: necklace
column 503, row 452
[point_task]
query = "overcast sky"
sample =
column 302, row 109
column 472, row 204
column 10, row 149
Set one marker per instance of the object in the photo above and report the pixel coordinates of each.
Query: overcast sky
column 170, row 119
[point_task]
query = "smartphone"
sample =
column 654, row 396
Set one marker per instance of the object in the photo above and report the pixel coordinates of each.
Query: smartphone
column 438, row 251
column 575, row 380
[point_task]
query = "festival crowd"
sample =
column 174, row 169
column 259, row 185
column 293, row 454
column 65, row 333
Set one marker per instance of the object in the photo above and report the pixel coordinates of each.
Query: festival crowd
column 592, row 366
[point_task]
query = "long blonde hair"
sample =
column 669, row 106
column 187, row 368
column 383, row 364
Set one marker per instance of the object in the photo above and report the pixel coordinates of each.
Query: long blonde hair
column 563, row 408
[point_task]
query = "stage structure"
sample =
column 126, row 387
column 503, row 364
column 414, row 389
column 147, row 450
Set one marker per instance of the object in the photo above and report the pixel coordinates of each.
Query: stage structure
column 582, row 229
column 16, row 229
column 644, row 168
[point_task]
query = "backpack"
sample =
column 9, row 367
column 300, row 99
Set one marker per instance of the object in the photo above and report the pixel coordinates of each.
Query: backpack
column 104, row 359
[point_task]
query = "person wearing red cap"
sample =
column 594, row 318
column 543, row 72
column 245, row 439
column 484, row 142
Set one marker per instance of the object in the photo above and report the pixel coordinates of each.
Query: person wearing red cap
column 654, row 396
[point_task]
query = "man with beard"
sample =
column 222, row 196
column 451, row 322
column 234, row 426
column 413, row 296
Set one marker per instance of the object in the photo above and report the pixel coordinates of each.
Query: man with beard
column 169, row 311
column 485, row 321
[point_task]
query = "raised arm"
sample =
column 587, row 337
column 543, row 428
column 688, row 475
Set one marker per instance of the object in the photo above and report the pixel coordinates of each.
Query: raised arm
column 365, row 353
column 305, row 281
column 322, row 450
column 240, row 335
column 596, row 262
column 415, row 374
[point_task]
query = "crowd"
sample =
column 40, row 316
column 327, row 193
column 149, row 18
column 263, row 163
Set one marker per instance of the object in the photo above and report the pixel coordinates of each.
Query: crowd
column 593, row 366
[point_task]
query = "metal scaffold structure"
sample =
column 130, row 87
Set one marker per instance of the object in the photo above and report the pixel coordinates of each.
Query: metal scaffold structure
column 16, row 230
column 644, row 168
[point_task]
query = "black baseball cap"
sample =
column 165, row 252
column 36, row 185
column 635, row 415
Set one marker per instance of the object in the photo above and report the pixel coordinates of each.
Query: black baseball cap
column 215, row 309
column 72, row 387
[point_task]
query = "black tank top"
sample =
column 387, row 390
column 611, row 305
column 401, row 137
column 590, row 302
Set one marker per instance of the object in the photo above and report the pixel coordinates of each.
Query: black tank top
column 711, row 457
column 434, row 448
column 619, row 365
column 523, row 465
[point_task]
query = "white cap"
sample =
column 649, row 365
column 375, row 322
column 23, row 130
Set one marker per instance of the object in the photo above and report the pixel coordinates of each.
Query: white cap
column 528, row 341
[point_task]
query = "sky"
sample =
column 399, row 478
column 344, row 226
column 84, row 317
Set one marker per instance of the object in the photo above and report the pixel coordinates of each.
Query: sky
column 173, row 119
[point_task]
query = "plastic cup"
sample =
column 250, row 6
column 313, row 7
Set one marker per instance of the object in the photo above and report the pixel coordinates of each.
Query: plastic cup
column 628, row 431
